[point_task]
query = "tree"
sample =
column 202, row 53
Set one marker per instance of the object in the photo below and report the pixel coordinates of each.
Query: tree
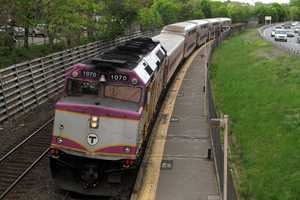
column 219, row 9
column 167, row 9
column 25, row 15
column 149, row 18
column 206, row 8
column 190, row 10
column 293, row 13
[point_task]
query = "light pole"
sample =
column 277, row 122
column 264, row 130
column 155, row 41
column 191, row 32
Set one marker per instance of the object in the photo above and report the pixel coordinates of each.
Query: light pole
column 223, row 123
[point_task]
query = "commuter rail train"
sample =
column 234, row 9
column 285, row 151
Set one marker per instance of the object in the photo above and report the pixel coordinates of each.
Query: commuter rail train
column 103, row 121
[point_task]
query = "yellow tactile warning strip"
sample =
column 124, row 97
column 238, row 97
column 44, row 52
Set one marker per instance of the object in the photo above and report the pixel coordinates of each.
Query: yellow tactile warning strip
column 146, row 189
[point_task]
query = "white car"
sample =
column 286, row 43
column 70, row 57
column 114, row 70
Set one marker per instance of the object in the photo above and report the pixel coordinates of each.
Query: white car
column 297, row 29
column 273, row 33
column 294, row 23
column 281, row 35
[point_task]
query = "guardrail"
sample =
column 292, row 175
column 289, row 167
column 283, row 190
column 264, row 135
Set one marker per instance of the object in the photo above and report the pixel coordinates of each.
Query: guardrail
column 26, row 85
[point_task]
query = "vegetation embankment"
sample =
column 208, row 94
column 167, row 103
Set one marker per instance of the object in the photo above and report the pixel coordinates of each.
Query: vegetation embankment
column 259, row 87
column 71, row 21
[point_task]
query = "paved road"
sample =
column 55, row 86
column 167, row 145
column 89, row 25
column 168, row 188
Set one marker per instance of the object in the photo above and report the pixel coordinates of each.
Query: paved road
column 290, row 45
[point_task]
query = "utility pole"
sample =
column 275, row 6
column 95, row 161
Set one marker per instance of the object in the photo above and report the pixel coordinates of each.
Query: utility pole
column 223, row 123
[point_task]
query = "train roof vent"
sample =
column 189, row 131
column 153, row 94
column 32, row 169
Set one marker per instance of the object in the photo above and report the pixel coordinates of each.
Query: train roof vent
column 125, row 56
column 139, row 45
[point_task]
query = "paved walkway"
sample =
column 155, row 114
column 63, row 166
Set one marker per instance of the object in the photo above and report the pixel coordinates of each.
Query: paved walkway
column 185, row 173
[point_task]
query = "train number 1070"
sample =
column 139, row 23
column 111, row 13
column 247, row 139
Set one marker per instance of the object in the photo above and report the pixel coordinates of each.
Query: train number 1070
column 118, row 77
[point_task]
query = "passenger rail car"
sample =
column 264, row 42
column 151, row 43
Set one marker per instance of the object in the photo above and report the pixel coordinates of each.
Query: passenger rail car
column 104, row 119
column 188, row 31
column 214, row 28
column 202, row 31
column 225, row 24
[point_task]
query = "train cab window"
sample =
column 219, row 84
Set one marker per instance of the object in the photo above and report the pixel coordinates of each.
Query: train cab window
column 132, row 94
column 160, row 55
column 149, row 70
column 78, row 88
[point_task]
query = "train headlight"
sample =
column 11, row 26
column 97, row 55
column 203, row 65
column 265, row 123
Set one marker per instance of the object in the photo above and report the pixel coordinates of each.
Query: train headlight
column 127, row 149
column 75, row 74
column 59, row 140
column 94, row 122
column 134, row 81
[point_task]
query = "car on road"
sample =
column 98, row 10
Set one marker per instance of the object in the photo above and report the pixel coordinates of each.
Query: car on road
column 273, row 32
column 290, row 34
column 287, row 26
column 294, row 23
column 281, row 35
column 297, row 29
column 298, row 40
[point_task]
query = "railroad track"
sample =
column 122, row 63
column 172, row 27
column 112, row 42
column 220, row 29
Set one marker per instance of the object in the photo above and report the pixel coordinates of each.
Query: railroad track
column 15, row 164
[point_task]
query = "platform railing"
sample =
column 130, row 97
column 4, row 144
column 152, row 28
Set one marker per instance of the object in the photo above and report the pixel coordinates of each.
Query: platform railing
column 29, row 84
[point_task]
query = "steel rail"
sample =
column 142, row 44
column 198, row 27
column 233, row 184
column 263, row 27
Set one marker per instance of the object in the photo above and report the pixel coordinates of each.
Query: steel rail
column 25, row 140
column 23, row 174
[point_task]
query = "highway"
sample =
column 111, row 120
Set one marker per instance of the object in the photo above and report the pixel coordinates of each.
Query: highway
column 291, row 45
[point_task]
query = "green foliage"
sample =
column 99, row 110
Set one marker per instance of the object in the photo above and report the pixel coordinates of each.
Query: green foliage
column 11, row 56
column 206, row 8
column 72, row 21
column 219, row 9
column 278, row 12
column 293, row 13
column 167, row 9
column 149, row 18
column 258, row 86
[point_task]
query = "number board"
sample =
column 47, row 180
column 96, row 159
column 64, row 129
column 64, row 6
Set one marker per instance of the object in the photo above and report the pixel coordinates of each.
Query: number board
column 110, row 77
column 118, row 77
column 89, row 74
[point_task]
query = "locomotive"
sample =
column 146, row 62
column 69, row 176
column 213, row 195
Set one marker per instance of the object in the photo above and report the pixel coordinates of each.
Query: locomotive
column 103, row 120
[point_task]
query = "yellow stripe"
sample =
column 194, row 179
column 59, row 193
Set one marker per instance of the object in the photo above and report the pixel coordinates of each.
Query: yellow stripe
column 148, row 188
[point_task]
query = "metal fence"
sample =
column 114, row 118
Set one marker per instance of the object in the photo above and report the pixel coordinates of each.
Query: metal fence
column 215, row 132
column 26, row 85
column 218, row 149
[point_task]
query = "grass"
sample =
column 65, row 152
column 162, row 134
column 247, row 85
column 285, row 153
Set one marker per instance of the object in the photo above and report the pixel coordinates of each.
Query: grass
column 259, row 87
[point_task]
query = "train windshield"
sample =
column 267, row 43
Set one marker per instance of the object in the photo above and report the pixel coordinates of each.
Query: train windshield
column 118, row 92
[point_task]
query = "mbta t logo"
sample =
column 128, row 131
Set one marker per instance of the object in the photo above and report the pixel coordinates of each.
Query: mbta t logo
column 92, row 139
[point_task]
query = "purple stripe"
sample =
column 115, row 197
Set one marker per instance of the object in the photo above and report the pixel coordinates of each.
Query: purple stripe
column 117, row 150
column 68, row 143
column 98, row 110
column 113, row 149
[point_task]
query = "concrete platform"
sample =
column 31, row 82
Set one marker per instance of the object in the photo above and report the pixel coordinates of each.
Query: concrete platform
column 185, row 171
